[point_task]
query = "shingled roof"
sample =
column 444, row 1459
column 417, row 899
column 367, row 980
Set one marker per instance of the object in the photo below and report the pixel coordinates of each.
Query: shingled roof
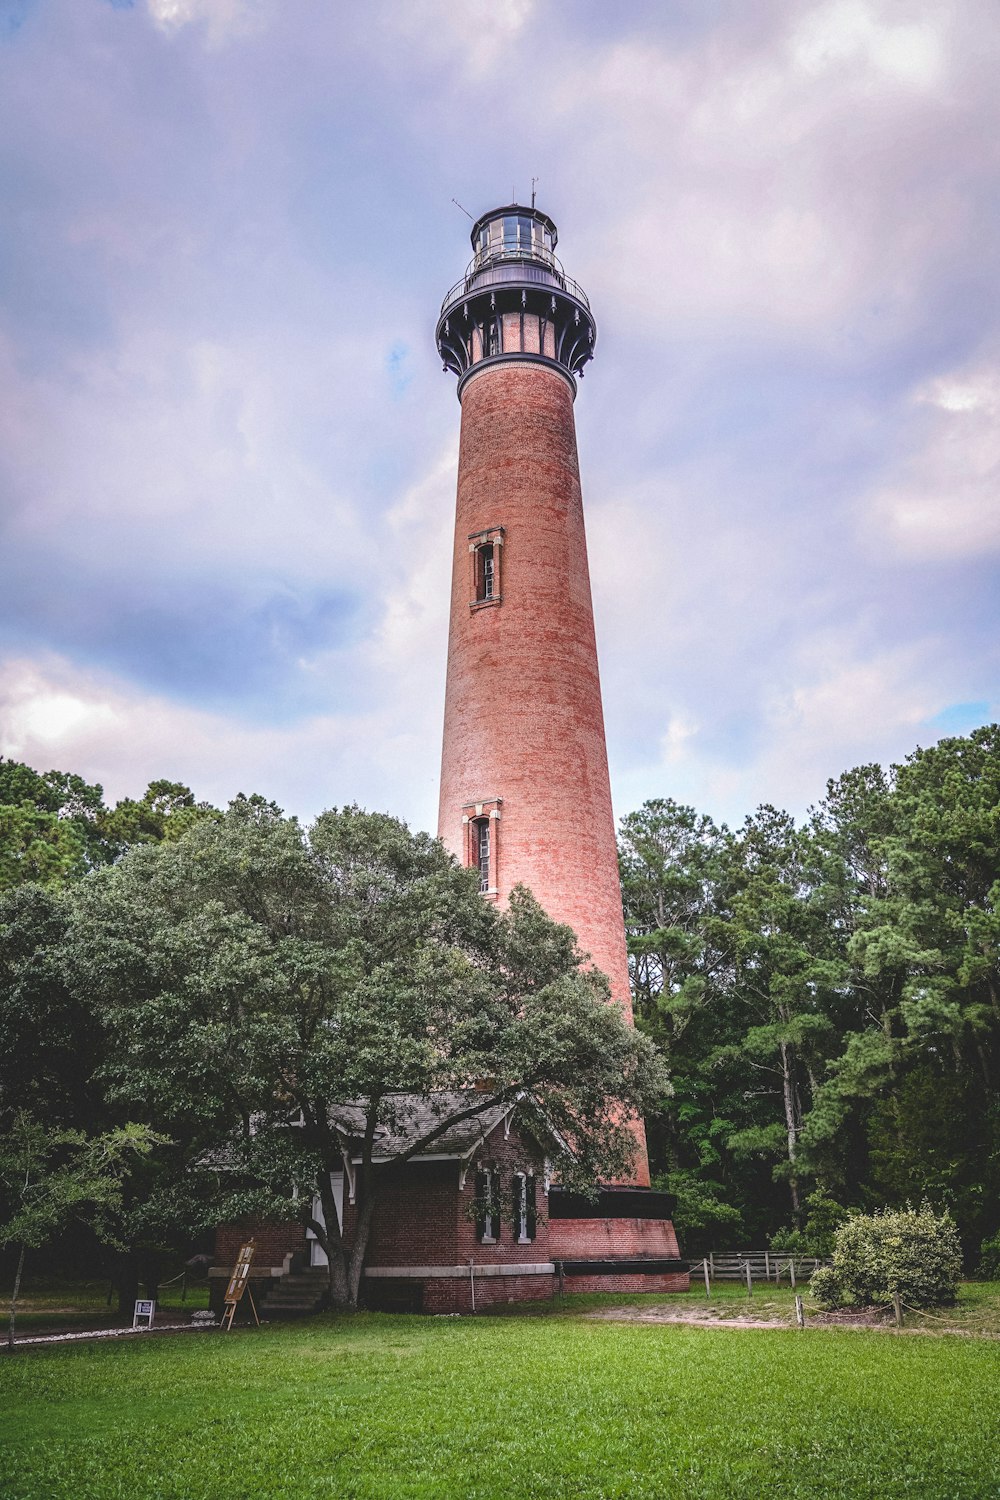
column 411, row 1117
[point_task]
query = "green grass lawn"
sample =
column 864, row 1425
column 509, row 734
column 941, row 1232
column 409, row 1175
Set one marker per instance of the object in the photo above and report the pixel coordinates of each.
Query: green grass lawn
column 558, row 1406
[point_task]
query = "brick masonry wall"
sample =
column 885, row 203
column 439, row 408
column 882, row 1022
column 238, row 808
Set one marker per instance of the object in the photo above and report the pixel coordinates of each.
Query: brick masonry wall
column 424, row 1219
column 600, row 1239
column 272, row 1242
column 523, row 713
column 414, row 1222
column 450, row 1295
column 676, row 1282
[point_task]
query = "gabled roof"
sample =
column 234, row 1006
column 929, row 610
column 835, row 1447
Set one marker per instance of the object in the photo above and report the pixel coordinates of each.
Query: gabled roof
column 410, row 1117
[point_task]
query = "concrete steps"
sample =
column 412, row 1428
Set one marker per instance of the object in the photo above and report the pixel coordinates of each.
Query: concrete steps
column 297, row 1294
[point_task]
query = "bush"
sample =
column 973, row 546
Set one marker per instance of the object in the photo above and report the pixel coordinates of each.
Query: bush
column 989, row 1259
column 914, row 1252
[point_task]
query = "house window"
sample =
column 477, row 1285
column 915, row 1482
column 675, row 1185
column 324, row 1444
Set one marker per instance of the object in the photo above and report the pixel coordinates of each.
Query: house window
column 486, row 552
column 525, row 1218
column 488, row 1205
column 491, row 337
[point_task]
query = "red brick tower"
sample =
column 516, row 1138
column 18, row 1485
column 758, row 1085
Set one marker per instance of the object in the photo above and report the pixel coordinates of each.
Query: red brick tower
column 525, row 794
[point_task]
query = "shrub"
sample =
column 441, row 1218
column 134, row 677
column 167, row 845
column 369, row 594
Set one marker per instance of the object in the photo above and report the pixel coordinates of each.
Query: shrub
column 914, row 1252
column 989, row 1259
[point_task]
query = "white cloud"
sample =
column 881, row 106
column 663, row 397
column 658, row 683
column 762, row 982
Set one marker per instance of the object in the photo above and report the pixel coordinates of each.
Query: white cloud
column 834, row 707
column 223, row 19
column 849, row 32
column 770, row 173
column 54, row 713
column 480, row 31
column 945, row 503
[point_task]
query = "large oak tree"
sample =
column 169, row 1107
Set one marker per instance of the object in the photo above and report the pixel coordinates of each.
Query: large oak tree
column 253, row 977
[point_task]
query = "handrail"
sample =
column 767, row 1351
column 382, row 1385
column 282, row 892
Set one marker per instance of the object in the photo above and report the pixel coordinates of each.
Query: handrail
column 466, row 286
column 499, row 250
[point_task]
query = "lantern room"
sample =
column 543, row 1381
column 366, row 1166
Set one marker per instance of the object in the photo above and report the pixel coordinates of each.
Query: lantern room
column 515, row 301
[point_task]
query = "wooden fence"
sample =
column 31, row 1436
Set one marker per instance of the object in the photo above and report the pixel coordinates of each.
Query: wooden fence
column 765, row 1265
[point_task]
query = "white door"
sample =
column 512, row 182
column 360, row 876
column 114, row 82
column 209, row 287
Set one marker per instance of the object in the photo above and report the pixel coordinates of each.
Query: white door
column 317, row 1255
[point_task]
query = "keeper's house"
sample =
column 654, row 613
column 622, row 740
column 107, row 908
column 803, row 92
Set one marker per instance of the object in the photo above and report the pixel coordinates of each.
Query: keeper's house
column 474, row 1222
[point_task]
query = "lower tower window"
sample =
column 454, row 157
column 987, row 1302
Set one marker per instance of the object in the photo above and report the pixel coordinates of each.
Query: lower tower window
column 482, row 826
column 482, row 840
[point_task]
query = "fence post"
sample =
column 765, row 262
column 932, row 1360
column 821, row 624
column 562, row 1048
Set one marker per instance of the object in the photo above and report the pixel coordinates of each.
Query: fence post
column 897, row 1308
column 711, row 1264
column 708, row 1284
column 791, row 1270
column 749, row 1279
column 767, row 1266
column 800, row 1315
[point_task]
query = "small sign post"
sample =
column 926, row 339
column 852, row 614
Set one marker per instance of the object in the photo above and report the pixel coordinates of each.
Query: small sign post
column 145, row 1312
column 239, row 1282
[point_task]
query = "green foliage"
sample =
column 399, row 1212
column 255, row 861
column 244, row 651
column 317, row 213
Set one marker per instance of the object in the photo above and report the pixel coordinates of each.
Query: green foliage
column 50, row 1041
column 914, row 1253
column 274, row 996
column 54, row 826
column 828, row 997
column 50, row 1177
column 823, row 1217
column 702, row 1218
column 989, row 1258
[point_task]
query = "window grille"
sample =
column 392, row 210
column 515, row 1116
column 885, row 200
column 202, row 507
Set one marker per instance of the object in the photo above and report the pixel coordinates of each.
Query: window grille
column 483, row 853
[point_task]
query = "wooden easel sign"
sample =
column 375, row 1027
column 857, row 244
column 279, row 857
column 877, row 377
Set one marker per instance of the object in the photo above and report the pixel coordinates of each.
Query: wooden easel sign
column 239, row 1282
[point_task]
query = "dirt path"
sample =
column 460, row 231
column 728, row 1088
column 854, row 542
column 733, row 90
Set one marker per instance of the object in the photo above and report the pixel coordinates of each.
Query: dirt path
column 860, row 1323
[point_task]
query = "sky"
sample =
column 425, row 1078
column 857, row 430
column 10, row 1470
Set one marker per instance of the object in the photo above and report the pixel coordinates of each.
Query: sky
column 228, row 451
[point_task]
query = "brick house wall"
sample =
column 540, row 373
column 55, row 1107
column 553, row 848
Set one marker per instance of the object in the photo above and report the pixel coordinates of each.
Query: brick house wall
column 425, row 1220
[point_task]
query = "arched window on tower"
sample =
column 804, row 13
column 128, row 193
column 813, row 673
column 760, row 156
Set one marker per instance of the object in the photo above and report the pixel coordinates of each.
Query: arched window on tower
column 485, row 571
column 481, row 825
column 481, row 836
column 486, row 551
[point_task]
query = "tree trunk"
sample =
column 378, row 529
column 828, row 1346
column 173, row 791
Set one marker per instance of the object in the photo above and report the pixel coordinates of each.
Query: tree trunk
column 791, row 1123
column 13, row 1300
column 127, row 1276
column 331, row 1239
column 362, row 1230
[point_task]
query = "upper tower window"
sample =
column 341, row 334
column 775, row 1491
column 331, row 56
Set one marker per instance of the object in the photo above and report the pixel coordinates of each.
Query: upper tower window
column 481, row 827
column 485, row 551
column 485, row 571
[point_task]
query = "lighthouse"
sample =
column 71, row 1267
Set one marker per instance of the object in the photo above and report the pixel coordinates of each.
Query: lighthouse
column 525, row 791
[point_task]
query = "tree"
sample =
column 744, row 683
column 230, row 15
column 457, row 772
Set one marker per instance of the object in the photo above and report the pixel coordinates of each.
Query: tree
column 54, row 826
column 256, row 979
column 52, row 1177
column 852, row 968
column 50, row 1039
